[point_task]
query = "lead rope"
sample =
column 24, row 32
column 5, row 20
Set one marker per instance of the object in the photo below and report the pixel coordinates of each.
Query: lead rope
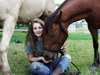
column 61, row 49
column 73, row 65
column 77, row 69
column 63, row 54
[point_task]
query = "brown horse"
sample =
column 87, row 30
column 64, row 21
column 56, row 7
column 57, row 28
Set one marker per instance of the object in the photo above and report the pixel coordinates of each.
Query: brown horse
column 55, row 30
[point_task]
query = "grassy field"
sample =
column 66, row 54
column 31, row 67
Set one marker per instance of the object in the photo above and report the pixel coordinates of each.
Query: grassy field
column 79, row 46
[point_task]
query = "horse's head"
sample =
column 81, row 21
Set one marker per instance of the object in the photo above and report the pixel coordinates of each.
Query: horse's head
column 55, row 34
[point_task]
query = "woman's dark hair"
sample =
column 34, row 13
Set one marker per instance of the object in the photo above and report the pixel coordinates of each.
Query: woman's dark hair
column 31, row 37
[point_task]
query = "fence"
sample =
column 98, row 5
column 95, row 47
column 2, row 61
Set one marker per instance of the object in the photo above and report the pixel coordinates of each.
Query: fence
column 78, row 27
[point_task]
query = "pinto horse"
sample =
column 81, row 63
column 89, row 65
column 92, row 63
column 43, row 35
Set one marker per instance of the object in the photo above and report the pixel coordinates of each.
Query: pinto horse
column 20, row 12
column 55, row 30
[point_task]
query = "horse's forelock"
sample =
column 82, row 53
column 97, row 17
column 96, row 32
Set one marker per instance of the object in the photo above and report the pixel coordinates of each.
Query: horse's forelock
column 49, row 22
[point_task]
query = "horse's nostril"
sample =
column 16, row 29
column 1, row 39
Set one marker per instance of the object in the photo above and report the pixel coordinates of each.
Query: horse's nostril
column 46, row 57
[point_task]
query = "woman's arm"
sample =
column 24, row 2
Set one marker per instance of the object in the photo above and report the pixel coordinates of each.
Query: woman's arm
column 31, row 58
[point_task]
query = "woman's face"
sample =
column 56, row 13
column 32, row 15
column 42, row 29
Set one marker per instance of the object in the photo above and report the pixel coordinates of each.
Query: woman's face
column 37, row 29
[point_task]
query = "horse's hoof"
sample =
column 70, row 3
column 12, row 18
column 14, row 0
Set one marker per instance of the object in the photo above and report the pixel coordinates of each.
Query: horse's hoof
column 93, row 68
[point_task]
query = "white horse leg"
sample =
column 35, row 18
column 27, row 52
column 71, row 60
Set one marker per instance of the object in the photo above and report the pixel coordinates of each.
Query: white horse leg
column 7, row 34
column 0, row 63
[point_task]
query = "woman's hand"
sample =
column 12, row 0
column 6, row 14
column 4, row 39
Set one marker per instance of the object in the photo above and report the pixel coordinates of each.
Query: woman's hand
column 46, row 61
column 64, row 49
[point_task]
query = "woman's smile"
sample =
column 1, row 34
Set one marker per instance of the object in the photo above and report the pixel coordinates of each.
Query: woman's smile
column 37, row 29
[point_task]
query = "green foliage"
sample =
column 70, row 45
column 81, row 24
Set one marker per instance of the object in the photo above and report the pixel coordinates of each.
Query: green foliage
column 21, row 26
column 57, row 5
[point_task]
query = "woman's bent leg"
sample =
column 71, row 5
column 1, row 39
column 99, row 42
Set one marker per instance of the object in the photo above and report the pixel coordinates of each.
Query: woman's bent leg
column 66, row 59
column 39, row 68
column 60, row 64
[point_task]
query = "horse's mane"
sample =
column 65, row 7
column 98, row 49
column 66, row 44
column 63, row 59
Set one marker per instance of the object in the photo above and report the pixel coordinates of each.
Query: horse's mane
column 49, row 21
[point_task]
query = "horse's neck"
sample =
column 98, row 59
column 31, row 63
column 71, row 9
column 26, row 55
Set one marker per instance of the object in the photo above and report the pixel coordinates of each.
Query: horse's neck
column 75, row 10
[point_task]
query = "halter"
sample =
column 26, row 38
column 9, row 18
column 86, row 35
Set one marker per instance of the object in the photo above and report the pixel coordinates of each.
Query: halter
column 59, row 49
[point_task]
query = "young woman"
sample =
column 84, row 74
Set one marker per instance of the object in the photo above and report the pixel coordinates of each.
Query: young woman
column 34, row 50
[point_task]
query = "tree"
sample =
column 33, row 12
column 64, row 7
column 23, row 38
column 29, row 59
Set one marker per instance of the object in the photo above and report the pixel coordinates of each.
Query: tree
column 57, row 5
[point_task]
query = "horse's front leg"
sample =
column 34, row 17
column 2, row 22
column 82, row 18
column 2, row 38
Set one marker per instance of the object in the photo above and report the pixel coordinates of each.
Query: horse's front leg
column 8, row 29
column 0, row 63
column 94, row 33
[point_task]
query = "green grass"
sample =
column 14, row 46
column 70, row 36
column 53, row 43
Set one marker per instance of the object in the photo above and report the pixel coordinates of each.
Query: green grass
column 21, row 36
column 82, row 55
column 18, row 59
column 82, row 36
column 79, row 46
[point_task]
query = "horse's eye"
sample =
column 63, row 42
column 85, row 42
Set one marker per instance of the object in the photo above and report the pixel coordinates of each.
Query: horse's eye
column 52, row 35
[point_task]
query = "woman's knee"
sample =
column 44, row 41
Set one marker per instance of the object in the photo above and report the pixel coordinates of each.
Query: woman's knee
column 39, row 68
column 68, row 56
column 34, row 66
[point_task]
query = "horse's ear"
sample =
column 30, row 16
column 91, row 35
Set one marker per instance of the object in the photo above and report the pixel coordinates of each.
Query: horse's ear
column 49, row 13
column 58, row 17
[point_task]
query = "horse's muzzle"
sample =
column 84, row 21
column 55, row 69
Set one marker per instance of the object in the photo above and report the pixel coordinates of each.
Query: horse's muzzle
column 47, row 57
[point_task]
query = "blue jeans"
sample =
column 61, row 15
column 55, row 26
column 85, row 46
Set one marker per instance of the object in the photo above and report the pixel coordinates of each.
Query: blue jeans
column 42, row 68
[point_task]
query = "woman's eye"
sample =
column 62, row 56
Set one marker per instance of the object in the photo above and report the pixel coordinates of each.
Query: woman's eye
column 34, row 28
column 40, row 27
